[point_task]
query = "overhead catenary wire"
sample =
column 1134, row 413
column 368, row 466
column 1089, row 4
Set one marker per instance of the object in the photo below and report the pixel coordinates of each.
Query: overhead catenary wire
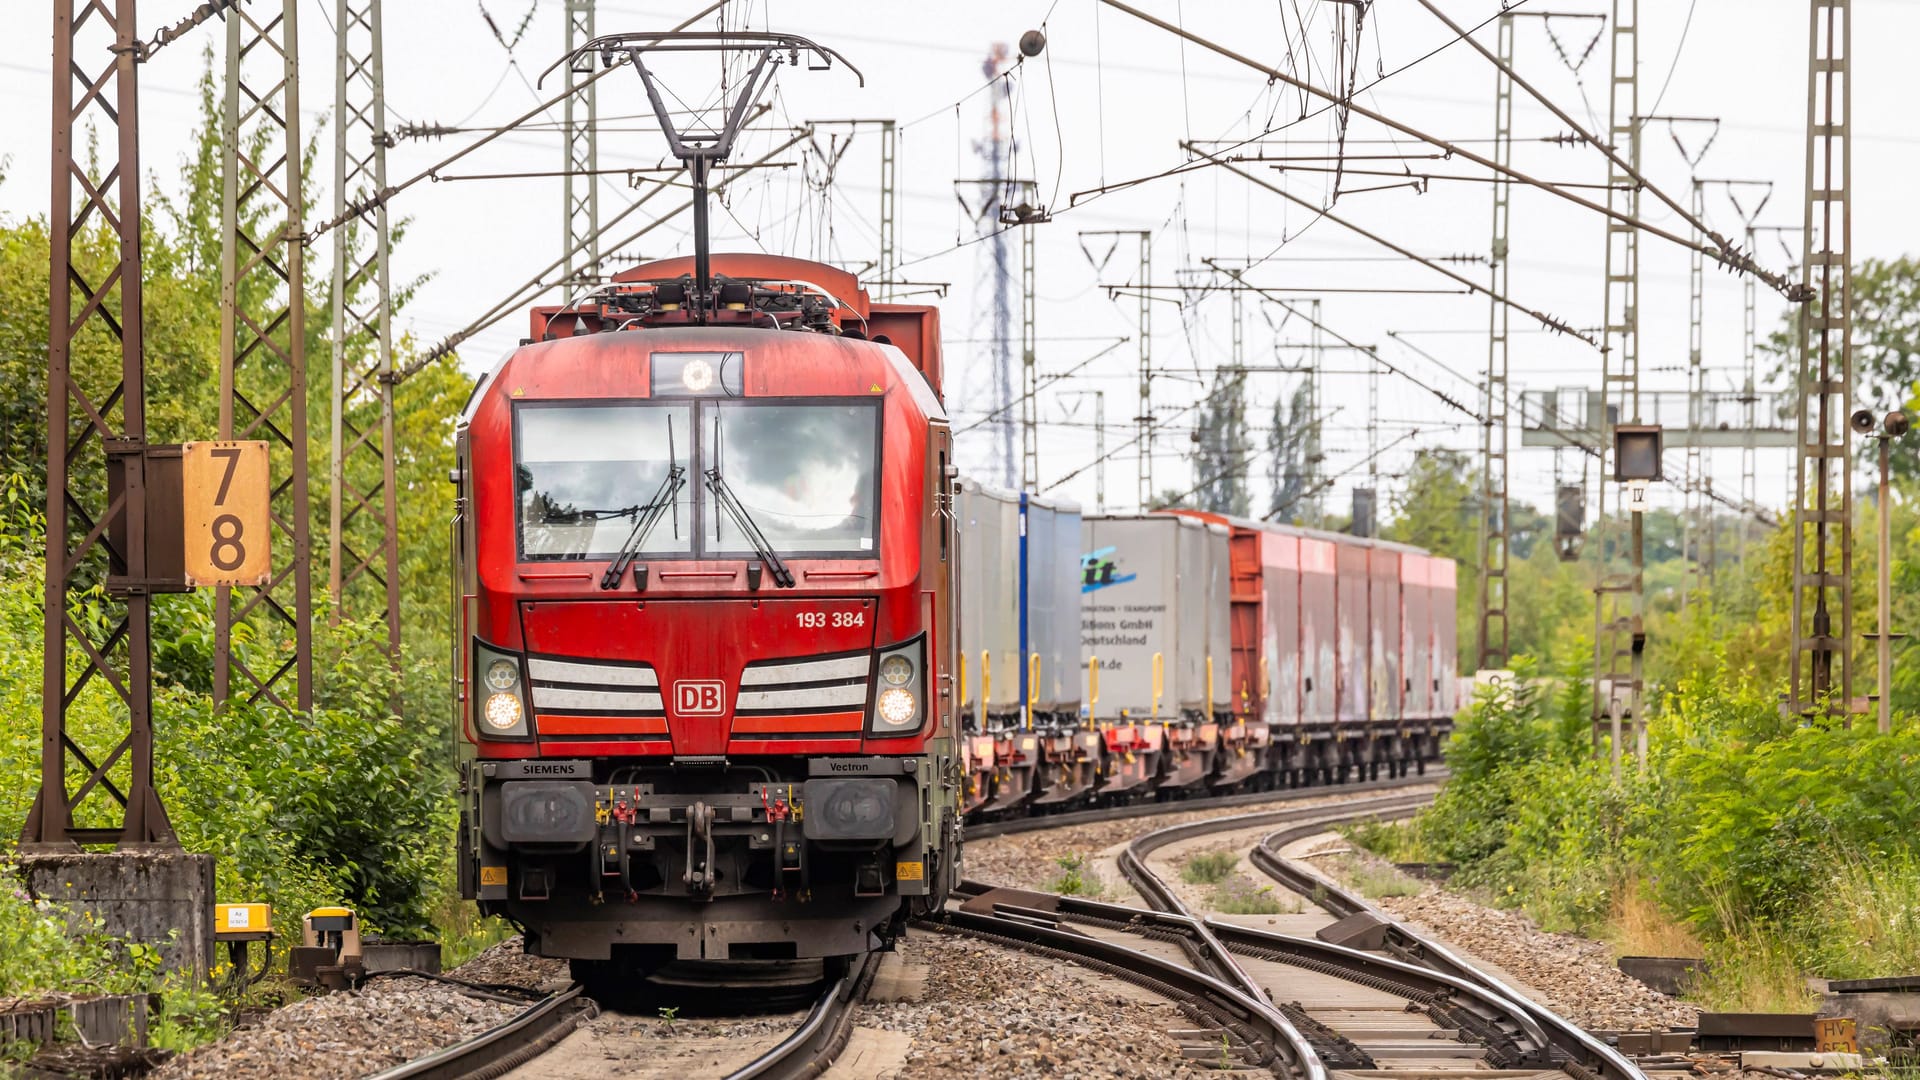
column 1045, row 380
column 538, row 282
column 356, row 208
column 1722, row 251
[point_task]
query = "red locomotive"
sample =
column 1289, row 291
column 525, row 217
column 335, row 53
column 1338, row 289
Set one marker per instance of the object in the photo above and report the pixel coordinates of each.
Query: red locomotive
column 705, row 575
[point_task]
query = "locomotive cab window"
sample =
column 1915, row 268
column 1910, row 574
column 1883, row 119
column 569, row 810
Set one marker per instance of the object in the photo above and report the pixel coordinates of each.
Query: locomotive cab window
column 808, row 474
column 585, row 473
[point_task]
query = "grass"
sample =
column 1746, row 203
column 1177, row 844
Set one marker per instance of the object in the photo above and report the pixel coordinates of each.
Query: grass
column 1638, row 926
column 1238, row 896
column 1866, row 923
column 1076, row 877
column 1209, row 867
column 1375, row 882
column 1394, row 841
column 462, row 931
column 1753, row 971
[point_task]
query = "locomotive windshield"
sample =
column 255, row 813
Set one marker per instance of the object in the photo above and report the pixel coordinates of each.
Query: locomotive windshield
column 807, row 474
column 584, row 473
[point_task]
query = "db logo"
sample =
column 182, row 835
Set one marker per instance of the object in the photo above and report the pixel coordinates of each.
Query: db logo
column 693, row 697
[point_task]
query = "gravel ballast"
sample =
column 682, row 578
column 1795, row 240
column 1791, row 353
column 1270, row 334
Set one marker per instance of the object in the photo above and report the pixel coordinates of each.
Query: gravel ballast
column 1030, row 860
column 1574, row 976
column 344, row 1035
column 993, row 1012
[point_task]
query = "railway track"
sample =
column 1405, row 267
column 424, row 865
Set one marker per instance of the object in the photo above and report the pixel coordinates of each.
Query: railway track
column 1236, row 1022
column 1303, row 1006
column 523, row 1043
column 1126, row 811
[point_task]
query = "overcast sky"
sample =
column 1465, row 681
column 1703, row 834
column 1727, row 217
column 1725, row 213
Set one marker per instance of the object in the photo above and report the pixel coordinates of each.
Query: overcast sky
column 1110, row 100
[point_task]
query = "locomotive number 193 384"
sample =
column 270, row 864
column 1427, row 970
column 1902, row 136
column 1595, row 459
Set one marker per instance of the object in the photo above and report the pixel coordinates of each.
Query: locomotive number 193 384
column 815, row 620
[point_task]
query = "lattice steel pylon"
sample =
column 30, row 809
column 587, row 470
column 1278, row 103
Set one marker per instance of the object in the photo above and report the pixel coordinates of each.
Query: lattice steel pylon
column 363, row 551
column 95, row 89
column 889, row 266
column 1145, row 418
column 579, row 120
column 1749, row 394
column 1698, row 519
column 1494, row 542
column 1029, row 370
column 1315, row 508
column 1823, row 477
column 263, row 361
column 1618, row 611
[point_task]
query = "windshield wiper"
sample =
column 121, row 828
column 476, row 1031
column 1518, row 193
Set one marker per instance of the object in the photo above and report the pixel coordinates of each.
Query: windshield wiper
column 575, row 517
column 725, row 498
column 645, row 518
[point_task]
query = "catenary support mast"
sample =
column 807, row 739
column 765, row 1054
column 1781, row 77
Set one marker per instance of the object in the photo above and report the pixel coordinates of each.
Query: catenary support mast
column 1494, row 549
column 95, row 94
column 1823, row 478
column 1618, row 638
column 363, row 550
column 263, row 351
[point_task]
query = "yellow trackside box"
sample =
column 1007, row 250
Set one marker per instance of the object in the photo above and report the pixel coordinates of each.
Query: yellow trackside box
column 242, row 919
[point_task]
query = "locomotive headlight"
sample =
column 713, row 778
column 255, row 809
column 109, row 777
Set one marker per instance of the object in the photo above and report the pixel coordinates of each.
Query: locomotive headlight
column 503, row 712
column 896, row 708
column 502, row 674
column 896, row 671
column 697, row 376
column 499, row 702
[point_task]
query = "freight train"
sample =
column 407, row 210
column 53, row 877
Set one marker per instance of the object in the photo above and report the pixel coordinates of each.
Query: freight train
column 1115, row 657
column 738, row 649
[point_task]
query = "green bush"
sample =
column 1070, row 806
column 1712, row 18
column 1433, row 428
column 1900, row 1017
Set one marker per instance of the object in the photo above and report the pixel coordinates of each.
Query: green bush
column 1076, row 878
column 1208, row 867
column 346, row 804
column 1789, row 847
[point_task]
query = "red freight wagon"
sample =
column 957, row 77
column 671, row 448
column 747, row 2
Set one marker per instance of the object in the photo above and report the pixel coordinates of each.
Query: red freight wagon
column 1321, row 653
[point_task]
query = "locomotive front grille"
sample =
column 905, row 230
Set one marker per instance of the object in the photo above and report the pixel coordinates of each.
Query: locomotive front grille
column 596, row 700
column 799, row 699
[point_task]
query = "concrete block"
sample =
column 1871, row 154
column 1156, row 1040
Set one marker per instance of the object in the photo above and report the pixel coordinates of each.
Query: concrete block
column 1671, row 975
column 1877, row 1017
column 1362, row 930
column 897, row 980
column 159, row 898
column 1801, row 1061
column 396, row 955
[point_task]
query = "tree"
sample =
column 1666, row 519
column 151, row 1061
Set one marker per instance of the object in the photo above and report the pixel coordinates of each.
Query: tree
column 1289, row 441
column 1221, row 455
column 1886, row 342
column 1438, row 508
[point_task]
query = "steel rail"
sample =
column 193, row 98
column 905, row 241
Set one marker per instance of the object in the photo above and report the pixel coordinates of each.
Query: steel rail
column 1128, row 811
column 1268, row 1034
column 1464, row 1003
column 1205, row 945
column 504, row 1047
column 1584, row 1050
column 814, row 1045
column 1424, row 962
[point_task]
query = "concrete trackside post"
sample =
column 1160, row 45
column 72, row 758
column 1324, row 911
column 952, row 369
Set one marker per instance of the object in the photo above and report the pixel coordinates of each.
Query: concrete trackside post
column 159, row 898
